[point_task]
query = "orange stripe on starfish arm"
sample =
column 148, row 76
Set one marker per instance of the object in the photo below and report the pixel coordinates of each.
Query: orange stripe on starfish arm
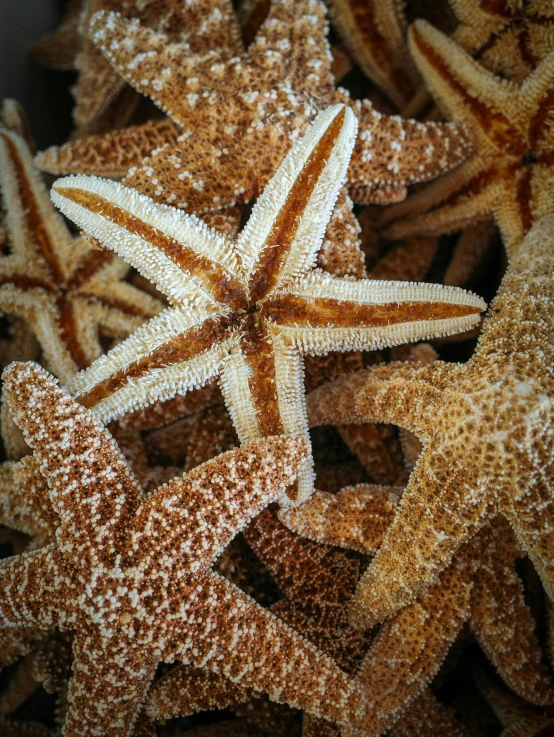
column 70, row 334
column 538, row 126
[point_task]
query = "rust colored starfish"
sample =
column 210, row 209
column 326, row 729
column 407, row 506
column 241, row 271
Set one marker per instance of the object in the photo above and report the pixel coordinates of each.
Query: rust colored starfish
column 487, row 433
column 247, row 311
column 511, row 174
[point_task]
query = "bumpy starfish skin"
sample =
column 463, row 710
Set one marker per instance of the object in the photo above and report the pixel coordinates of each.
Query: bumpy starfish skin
column 218, row 152
column 249, row 310
column 114, row 576
column 24, row 729
column 65, row 291
column 511, row 174
column 427, row 717
column 510, row 38
column 487, row 434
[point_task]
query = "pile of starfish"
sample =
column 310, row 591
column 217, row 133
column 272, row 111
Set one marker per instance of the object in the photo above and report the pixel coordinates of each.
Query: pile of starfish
column 278, row 374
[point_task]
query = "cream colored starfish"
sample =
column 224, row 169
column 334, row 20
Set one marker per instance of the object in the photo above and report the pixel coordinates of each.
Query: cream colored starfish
column 232, row 120
column 511, row 173
column 487, row 433
column 67, row 293
column 247, row 311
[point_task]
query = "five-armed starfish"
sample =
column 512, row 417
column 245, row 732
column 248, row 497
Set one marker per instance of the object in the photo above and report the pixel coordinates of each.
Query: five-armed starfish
column 511, row 173
column 487, row 432
column 232, row 120
column 67, row 292
column 131, row 574
column 247, row 311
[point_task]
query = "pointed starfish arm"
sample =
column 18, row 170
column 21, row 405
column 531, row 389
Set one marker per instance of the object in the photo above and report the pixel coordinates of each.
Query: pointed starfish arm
column 259, row 651
column 199, row 514
column 187, row 690
column 356, row 518
column 107, row 687
column 162, row 243
column 31, row 585
column 91, row 487
column 321, row 314
column 288, row 222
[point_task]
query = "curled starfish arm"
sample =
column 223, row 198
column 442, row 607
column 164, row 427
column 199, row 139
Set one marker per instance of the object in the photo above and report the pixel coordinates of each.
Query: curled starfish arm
column 355, row 518
column 78, row 458
column 108, row 684
column 259, row 651
column 214, row 501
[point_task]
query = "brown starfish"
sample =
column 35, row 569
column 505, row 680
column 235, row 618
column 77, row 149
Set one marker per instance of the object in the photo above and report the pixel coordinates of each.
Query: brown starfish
column 247, row 311
column 487, row 434
column 511, row 173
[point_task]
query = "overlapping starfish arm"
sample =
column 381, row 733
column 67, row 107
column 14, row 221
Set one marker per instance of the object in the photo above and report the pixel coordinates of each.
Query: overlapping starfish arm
column 426, row 715
column 24, row 729
column 20, row 687
column 16, row 641
column 59, row 49
column 15, row 511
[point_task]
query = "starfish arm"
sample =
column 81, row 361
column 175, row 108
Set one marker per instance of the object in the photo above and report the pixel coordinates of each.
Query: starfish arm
column 98, row 84
column 205, row 509
column 20, row 687
column 356, row 518
column 162, row 243
column 160, row 414
column 258, row 651
column 502, row 621
column 120, row 307
column 392, row 152
column 36, row 231
column 470, row 249
column 107, row 687
column 111, row 154
column 23, row 494
column 377, row 450
column 426, row 714
column 288, row 222
column 24, row 729
column 186, row 690
column 340, row 253
column 72, row 446
column 179, row 350
column 31, row 586
column 16, row 642
column 321, row 314
column 58, row 50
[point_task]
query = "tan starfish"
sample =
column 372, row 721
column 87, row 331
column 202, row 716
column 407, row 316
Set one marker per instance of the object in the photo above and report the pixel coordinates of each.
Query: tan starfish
column 510, row 37
column 113, row 574
column 511, row 174
column 211, row 153
column 487, row 434
column 65, row 291
column 247, row 311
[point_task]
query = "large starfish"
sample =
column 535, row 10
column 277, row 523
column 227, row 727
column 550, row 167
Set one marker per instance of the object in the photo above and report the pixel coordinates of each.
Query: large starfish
column 511, row 173
column 67, row 292
column 487, row 433
column 131, row 574
column 232, row 120
column 248, row 311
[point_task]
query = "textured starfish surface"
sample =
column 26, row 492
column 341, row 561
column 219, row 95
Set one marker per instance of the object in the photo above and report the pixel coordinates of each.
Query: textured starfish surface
column 232, row 120
column 59, row 50
column 68, row 293
column 510, row 38
column 248, row 310
column 486, row 429
column 511, row 173
column 131, row 575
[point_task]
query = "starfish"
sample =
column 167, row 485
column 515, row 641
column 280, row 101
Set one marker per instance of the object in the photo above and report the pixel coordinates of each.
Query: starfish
column 131, row 574
column 24, row 729
column 427, row 716
column 210, row 154
column 511, row 173
column 67, row 292
column 59, row 50
column 510, row 38
column 247, row 311
column 487, row 434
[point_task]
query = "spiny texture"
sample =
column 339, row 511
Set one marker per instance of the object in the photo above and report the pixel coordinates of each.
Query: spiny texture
column 487, row 434
column 511, row 173
column 248, row 310
column 131, row 574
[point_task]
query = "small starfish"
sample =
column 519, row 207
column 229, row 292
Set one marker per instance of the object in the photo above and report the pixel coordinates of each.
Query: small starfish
column 487, row 433
column 511, row 174
column 232, row 121
column 65, row 291
column 131, row 575
column 509, row 37
column 249, row 310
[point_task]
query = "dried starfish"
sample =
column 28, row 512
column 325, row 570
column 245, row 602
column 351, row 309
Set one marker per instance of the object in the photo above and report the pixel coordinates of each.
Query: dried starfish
column 59, row 50
column 487, row 434
column 114, row 577
column 205, row 159
column 511, row 174
column 65, row 291
column 509, row 37
column 247, row 311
